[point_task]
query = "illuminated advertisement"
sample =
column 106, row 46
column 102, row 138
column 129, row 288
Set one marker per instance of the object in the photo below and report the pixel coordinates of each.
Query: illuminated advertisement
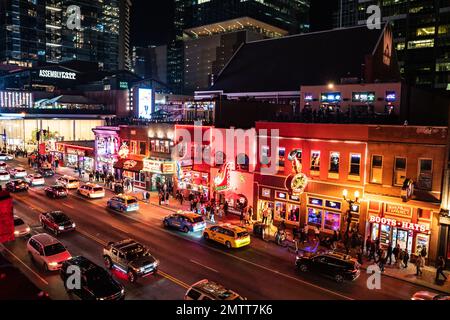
column 391, row 96
column 331, row 97
column 145, row 104
column 363, row 96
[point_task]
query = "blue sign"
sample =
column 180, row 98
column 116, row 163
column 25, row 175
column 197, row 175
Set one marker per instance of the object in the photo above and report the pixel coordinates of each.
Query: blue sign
column 391, row 96
column 331, row 97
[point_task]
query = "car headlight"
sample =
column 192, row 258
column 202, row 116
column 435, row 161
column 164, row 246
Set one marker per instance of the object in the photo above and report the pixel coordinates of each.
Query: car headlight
column 28, row 229
column 73, row 225
column 61, row 228
column 16, row 233
column 122, row 291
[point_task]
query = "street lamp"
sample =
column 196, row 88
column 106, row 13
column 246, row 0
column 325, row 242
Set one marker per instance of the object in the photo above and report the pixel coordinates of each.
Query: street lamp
column 351, row 203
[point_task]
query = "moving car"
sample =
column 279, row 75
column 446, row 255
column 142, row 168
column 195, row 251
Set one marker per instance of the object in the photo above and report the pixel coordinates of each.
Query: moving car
column 229, row 235
column 46, row 172
column 47, row 251
column 131, row 258
column 185, row 221
column 18, row 172
column 4, row 176
column 5, row 157
column 56, row 191
column 96, row 282
column 57, row 222
column 35, row 180
column 340, row 267
column 92, row 191
column 68, row 182
column 17, row 186
column 123, row 203
column 209, row 290
column 21, row 229
column 427, row 295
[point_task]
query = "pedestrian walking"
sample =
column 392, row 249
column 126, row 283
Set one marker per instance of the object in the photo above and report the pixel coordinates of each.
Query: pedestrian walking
column 359, row 254
column 372, row 251
column 405, row 259
column 389, row 254
column 167, row 198
column 440, row 265
column 265, row 216
column 212, row 217
column 382, row 259
column 396, row 252
column 420, row 262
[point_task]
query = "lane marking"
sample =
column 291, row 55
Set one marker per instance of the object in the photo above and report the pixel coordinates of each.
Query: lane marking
column 174, row 280
column 202, row 265
column 25, row 265
column 66, row 205
column 92, row 237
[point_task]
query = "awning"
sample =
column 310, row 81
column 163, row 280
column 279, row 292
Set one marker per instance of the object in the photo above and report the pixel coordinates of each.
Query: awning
column 129, row 165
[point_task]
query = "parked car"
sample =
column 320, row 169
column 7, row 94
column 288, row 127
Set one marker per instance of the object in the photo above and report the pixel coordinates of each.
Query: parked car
column 18, row 172
column 96, row 282
column 229, row 235
column 21, row 229
column 185, row 221
column 35, row 180
column 131, row 258
column 210, row 290
column 56, row 191
column 47, row 251
column 428, row 295
column 123, row 203
column 5, row 157
column 340, row 267
column 92, row 191
column 46, row 172
column 56, row 222
column 4, row 176
column 68, row 182
column 17, row 186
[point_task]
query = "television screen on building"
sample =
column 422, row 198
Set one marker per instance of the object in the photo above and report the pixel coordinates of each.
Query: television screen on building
column 145, row 103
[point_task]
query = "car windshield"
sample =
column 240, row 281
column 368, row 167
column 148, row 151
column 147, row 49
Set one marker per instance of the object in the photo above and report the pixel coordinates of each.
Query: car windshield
column 98, row 189
column 18, row 222
column 60, row 217
column 73, row 181
column 136, row 251
column 58, row 188
column 97, row 276
column 198, row 219
column 54, row 249
column 4, row 173
column 131, row 201
column 38, row 176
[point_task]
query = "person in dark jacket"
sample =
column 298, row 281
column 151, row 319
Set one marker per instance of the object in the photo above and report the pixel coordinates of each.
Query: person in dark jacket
column 405, row 259
column 368, row 245
column 440, row 265
column 389, row 254
column 396, row 252
column 372, row 251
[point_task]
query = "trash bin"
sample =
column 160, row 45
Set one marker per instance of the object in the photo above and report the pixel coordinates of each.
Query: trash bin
column 258, row 228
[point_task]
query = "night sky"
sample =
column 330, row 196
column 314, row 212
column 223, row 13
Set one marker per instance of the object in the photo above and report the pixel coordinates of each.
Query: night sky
column 152, row 20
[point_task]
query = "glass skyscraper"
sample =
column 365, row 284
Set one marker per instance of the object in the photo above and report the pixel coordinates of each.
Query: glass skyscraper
column 421, row 31
column 37, row 31
column 289, row 15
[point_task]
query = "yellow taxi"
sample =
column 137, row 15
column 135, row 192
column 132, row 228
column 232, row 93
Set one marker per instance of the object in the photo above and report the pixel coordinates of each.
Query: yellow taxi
column 229, row 235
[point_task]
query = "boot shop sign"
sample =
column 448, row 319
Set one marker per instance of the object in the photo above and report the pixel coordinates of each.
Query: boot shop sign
column 400, row 224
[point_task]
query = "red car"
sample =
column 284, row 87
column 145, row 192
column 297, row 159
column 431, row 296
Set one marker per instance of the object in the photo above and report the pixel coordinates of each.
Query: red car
column 56, row 222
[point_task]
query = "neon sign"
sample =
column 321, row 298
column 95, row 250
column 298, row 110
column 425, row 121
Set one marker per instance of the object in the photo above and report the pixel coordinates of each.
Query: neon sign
column 222, row 181
column 331, row 97
column 124, row 151
column 400, row 224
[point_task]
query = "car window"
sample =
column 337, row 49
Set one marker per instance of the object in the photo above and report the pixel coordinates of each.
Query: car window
column 214, row 229
column 198, row 219
column 54, row 249
column 194, row 294
column 98, row 189
column 114, row 252
column 121, row 255
column 132, row 201
column 18, row 222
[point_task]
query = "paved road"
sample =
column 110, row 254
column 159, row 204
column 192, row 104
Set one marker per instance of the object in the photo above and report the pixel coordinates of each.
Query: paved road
column 260, row 271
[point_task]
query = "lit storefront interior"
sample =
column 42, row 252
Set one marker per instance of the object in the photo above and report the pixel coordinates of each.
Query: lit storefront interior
column 158, row 173
column 107, row 146
column 76, row 154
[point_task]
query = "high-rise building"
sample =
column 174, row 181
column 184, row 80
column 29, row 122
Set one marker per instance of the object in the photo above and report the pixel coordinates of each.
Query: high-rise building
column 421, row 32
column 150, row 62
column 60, row 30
column 290, row 15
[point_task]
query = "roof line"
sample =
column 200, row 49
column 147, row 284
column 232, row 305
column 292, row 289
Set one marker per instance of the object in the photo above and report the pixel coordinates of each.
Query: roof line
column 229, row 61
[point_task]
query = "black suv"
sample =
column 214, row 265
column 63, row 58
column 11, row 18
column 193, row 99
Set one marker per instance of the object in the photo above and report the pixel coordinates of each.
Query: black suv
column 46, row 172
column 96, row 283
column 340, row 267
column 56, row 192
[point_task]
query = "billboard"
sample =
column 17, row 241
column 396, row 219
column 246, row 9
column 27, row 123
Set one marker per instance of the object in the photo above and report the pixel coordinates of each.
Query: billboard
column 145, row 103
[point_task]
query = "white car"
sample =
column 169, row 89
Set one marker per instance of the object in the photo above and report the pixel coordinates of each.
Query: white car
column 3, row 166
column 4, row 176
column 5, row 157
column 18, row 172
column 35, row 180
column 21, row 229
column 92, row 191
column 47, row 252
column 427, row 295
column 68, row 182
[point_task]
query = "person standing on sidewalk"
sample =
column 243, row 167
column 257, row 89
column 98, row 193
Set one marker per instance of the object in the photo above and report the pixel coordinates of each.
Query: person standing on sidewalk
column 372, row 251
column 419, row 264
column 396, row 252
column 440, row 265
column 212, row 216
column 389, row 254
column 401, row 255
column 405, row 259
column 265, row 215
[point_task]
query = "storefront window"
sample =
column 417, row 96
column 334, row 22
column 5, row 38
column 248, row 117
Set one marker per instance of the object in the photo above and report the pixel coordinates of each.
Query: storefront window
column 281, row 158
column 315, row 160
column 425, row 178
column 422, row 241
column 332, row 221
column 385, row 234
column 315, row 217
column 334, row 162
column 355, row 164
column 142, row 148
column 375, row 231
column 133, row 147
column 280, row 210
column 377, row 169
column 293, row 212
column 399, row 171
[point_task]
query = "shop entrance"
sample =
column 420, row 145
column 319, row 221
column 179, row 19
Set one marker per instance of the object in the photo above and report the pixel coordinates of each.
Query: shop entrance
column 392, row 235
column 262, row 204
column 402, row 237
